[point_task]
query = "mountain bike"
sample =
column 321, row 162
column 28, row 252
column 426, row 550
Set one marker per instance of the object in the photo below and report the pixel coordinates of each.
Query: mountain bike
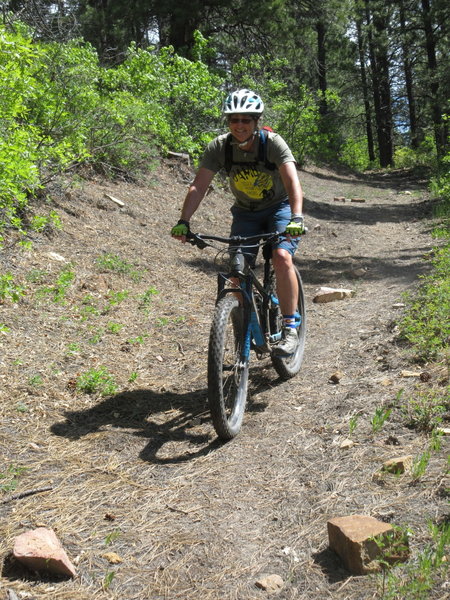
column 247, row 317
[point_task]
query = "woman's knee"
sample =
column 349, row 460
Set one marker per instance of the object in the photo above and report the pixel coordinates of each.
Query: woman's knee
column 281, row 259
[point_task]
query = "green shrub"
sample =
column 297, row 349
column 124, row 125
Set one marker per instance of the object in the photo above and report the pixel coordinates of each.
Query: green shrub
column 426, row 324
column 425, row 411
column 10, row 290
column 425, row 155
column 355, row 154
column 59, row 108
column 97, row 381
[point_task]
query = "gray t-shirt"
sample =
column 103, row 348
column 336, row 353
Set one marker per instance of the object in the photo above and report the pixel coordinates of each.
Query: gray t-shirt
column 253, row 185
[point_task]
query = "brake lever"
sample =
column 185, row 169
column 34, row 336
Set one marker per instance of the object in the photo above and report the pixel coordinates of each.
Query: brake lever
column 196, row 240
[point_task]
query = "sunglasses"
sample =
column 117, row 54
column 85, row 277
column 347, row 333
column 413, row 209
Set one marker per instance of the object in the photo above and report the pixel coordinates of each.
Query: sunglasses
column 235, row 120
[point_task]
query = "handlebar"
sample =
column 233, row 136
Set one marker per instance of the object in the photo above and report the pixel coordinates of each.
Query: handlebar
column 200, row 240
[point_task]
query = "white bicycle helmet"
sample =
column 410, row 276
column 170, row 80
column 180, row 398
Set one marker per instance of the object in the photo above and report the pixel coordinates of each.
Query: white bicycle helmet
column 243, row 101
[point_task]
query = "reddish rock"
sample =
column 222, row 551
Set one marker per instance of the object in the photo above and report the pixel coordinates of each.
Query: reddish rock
column 40, row 550
column 400, row 464
column 352, row 538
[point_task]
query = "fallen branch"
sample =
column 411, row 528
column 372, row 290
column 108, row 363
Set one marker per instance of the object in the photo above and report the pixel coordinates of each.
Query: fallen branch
column 25, row 494
column 116, row 200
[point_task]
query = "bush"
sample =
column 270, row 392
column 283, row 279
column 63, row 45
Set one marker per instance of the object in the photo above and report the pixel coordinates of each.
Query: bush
column 424, row 156
column 60, row 108
column 426, row 324
column 354, row 153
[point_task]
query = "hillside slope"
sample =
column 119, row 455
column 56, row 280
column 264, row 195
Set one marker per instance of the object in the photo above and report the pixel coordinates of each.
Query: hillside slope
column 138, row 471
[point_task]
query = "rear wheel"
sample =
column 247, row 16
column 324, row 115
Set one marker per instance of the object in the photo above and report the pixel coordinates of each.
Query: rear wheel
column 227, row 373
column 289, row 366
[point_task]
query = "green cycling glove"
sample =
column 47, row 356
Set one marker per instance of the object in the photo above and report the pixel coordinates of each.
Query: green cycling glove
column 181, row 228
column 296, row 226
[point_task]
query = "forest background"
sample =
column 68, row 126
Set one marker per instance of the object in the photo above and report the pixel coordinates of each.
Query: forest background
column 112, row 84
column 110, row 87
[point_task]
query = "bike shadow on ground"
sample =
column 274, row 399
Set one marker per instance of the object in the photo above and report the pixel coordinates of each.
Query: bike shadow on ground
column 164, row 419
column 159, row 417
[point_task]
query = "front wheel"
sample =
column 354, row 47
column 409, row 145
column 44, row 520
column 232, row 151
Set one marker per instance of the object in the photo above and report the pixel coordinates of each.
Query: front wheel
column 289, row 366
column 227, row 371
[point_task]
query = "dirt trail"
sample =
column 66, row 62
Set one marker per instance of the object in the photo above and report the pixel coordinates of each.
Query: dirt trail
column 140, row 472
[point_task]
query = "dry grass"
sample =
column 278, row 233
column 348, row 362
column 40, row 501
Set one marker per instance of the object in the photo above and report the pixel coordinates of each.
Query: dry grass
column 139, row 472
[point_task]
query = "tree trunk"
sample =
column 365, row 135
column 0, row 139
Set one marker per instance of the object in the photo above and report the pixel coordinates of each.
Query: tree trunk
column 322, row 70
column 380, row 82
column 365, row 90
column 440, row 134
column 407, row 68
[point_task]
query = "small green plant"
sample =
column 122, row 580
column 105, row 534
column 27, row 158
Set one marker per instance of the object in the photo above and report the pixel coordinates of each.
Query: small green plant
column 416, row 580
column 21, row 407
column 379, row 418
column 146, row 299
column 97, row 381
column 133, row 377
column 9, row 290
column 393, row 546
column 426, row 324
column 88, row 307
column 108, row 579
column 59, row 290
column 87, row 311
column 35, row 380
column 73, row 348
column 111, row 537
column 115, row 298
column 138, row 340
column 353, row 423
column 9, row 479
column 114, row 327
column 37, row 276
column 424, row 412
column 420, row 465
column 97, row 336
column 115, row 264
column 436, row 440
column 162, row 321
column 40, row 222
column 4, row 328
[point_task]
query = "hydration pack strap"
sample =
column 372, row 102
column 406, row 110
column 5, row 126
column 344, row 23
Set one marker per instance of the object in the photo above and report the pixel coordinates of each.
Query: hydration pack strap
column 262, row 153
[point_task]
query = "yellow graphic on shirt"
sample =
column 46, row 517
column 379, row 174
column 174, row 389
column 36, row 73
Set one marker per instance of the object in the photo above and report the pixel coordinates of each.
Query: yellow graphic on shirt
column 253, row 183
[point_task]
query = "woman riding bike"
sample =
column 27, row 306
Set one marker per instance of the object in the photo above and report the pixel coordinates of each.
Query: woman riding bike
column 267, row 195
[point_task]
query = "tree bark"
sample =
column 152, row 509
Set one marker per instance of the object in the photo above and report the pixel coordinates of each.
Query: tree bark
column 322, row 70
column 365, row 90
column 407, row 69
column 380, row 82
column 440, row 133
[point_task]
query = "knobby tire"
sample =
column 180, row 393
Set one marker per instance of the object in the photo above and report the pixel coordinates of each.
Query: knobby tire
column 227, row 375
column 288, row 366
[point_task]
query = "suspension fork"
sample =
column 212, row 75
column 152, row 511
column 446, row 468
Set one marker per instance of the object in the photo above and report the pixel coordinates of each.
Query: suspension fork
column 247, row 302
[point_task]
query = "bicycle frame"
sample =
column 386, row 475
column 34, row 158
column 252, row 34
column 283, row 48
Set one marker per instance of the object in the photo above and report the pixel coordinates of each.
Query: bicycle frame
column 254, row 329
column 242, row 270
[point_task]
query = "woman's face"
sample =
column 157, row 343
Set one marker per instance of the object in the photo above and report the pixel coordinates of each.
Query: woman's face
column 242, row 126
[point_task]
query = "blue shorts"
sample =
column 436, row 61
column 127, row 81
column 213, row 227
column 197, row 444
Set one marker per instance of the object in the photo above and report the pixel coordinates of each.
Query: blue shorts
column 254, row 222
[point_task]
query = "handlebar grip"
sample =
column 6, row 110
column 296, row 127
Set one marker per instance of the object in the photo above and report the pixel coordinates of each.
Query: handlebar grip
column 195, row 240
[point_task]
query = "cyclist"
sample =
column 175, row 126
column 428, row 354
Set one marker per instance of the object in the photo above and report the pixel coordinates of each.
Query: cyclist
column 268, row 196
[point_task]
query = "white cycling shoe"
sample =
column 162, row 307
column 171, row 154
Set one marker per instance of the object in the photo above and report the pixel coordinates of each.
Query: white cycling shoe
column 288, row 344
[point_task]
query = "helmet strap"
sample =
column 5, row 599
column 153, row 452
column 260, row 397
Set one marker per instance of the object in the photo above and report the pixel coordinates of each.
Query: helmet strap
column 242, row 145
